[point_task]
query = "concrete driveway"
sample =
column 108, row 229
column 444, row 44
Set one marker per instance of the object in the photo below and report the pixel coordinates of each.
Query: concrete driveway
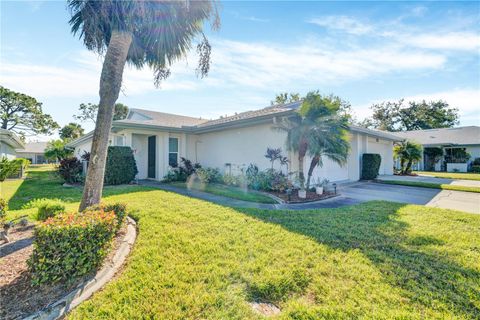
column 456, row 200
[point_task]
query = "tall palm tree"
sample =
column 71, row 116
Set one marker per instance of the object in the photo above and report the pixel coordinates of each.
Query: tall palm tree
column 151, row 33
column 408, row 152
column 319, row 129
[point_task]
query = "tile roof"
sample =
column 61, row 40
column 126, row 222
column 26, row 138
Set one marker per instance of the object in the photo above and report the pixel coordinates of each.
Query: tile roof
column 460, row 135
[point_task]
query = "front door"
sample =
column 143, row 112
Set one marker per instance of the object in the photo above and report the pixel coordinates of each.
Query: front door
column 152, row 147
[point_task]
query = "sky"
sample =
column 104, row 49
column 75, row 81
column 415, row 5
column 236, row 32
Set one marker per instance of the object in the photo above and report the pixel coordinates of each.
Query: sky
column 364, row 52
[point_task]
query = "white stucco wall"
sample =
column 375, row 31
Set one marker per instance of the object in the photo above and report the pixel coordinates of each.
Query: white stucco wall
column 7, row 151
column 240, row 147
column 385, row 149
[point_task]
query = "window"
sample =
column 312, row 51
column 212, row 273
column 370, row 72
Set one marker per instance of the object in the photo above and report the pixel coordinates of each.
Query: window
column 173, row 152
column 118, row 140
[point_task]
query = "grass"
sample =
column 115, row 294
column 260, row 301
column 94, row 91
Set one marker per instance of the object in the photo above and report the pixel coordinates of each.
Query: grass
column 197, row 260
column 229, row 192
column 432, row 185
column 451, row 175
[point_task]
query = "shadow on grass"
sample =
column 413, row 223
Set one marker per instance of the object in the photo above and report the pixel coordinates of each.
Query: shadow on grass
column 47, row 184
column 425, row 278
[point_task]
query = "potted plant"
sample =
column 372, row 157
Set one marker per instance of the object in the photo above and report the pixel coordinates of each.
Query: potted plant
column 302, row 192
column 319, row 186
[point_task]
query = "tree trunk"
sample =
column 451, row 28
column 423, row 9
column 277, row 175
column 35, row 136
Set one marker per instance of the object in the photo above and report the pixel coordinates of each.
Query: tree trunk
column 313, row 164
column 110, row 84
column 402, row 165
column 409, row 166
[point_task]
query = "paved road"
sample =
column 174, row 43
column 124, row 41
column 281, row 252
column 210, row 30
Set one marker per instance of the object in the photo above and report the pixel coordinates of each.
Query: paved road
column 352, row 194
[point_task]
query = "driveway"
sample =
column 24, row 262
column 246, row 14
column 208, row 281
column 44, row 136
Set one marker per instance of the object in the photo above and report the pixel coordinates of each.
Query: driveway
column 458, row 182
column 351, row 194
column 447, row 199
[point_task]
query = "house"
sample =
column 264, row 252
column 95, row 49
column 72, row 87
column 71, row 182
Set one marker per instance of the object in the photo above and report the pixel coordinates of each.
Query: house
column 9, row 143
column 34, row 152
column 230, row 143
column 453, row 142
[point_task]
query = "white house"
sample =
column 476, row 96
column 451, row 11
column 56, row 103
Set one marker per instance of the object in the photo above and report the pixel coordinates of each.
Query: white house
column 450, row 140
column 231, row 143
column 9, row 142
column 35, row 152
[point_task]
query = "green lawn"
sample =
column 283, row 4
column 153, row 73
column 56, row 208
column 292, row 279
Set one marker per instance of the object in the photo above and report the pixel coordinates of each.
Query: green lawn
column 431, row 185
column 451, row 175
column 229, row 192
column 197, row 260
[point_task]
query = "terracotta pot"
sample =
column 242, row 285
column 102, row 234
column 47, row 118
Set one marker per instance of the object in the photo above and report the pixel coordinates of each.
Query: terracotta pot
column 302, row 194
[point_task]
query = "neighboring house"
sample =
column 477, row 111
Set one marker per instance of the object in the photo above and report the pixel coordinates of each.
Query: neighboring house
column 9, row 142
column 230, row 144
column 34, row 152
column 453, row 141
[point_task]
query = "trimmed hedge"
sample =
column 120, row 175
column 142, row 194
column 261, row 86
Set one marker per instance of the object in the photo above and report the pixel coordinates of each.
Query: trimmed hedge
column 70, row 245
column 121, row 167
column 3, row 210
column 49, row 208
column 370, row 165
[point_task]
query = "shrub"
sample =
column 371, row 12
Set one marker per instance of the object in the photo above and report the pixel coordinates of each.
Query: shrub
column 208, row 175
column 70, row 245
column 475, row 168
column 7, row 168
column 3, row 210
column 370, row 165
column 476, row 162
column 49, row 208
column 70, row 170
column 182, row 172
column 119, row 209
column 121, row 166
column 231, row 180
column 268, row 180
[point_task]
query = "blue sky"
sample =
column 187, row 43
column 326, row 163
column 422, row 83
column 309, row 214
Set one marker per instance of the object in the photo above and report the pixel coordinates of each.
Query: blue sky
column 365, row 52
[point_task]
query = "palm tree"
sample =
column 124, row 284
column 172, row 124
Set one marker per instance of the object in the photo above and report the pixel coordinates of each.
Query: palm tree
column 331, row 141
column 151, row 33
column 56, row 150
column 409, row 152
column 318, row 129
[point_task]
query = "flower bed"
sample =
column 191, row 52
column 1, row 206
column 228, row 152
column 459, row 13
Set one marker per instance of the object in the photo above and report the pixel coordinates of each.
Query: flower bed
column 311, row 196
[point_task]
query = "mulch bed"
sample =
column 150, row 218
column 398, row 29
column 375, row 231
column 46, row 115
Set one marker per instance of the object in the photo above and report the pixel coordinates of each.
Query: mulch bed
column 311, row 196
column 18, row 297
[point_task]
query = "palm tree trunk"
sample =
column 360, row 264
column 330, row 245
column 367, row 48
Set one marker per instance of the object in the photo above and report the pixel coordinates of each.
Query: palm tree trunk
column 301, row 175
column 313, row 164
column 409, row 166
column 110, row 84
column 402, row 165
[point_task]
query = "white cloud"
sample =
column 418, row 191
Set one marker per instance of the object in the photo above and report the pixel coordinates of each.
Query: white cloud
column 342, row 23
column 269, row 65
column 447, row 41
column 234, row 63
column 398, row 33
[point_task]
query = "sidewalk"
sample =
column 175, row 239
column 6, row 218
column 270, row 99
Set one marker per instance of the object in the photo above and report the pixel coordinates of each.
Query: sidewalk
column 335, row 202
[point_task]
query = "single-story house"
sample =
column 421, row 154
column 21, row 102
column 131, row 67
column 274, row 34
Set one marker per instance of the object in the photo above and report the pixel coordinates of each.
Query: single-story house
column 9, row 144
column 454, row 142
column 34, row 152
column 229, row 143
